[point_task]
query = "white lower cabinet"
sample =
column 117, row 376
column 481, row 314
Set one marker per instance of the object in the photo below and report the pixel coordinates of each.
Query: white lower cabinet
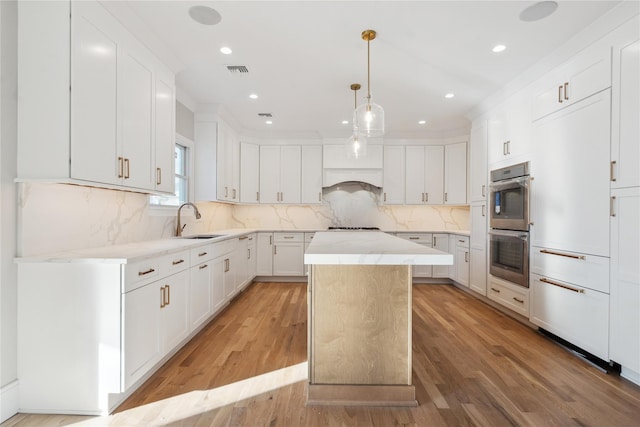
column 424, row 239
column 461, row 260
column 478, row 248
column 264, row 261
column 441, row 243
column 513, row 297
column 308, row 237
column 574, row 313
column 625, row 282
column 288, row 254
column 201, row 293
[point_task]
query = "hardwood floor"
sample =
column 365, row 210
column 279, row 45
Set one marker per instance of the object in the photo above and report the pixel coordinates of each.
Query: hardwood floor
column 472, row 365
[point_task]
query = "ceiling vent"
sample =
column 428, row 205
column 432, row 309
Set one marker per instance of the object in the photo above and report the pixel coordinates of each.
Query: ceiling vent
column 265, row 115
column 239, row 70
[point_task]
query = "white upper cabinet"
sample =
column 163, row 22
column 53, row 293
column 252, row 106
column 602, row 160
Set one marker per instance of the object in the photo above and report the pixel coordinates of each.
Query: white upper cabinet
column 455, row 174
column 625, row 141
column 228, row 163
column 249, row 173
column 280, row 174
column 424, row 175
column 509, row 130
column 96, row 96
column 205, row 137
column 311, row 179
column 394, row 175
column 478, row 163
column 585, row 74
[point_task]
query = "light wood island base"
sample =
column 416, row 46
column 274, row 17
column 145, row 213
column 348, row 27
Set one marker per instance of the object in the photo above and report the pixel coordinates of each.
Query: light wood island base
column 360, row 335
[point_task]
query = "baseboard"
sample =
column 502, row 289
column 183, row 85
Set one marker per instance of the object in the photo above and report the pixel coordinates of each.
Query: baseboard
column 630, row 375
column 8, row 401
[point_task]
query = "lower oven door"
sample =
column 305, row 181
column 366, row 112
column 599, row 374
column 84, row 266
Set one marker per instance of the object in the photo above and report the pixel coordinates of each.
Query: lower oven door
column 509, row 256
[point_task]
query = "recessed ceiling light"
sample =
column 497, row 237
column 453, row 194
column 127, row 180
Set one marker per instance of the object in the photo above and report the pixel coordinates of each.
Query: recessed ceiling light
column 499, row 48
column 345, row 122
column 269, row 122
column 449, row 95
column 422, row 122
column 538, row 11
column 253, row 96
column 204, row 15
column 226, row 50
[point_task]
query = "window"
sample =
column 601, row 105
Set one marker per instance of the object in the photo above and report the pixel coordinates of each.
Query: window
column 183, row 166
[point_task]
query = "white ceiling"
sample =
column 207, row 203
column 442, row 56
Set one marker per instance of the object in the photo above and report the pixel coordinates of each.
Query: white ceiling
column 302, row 57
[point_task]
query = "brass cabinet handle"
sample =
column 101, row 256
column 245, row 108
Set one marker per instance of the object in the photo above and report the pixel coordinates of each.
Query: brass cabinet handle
column 275, row 249
column 202, row 254
column 560, row 285
column 271, row 239
column 422, row 197
column 180, row 261
column 168, row 295
column 611, row 173
column 319, row 196
column 560, row 94
column 226, row 191
column 612, row 202
column 126, row 168
column 162, row 304
column 446, row 196
column 248, row 253
column 466, row 257
column 566, row 91
column 484, row 187
column 426, row 197
column 504, row 148
column 143, row 273
column 287, row 237
column 434, row 241
column 226, row 265
column 484, row 208
column 518, row 300
column 120, row 167
column 281, row 196
column 243, row 237
column 495, row 290
column 203, row 266
column 546, row 251
column 158, row 176
column 257, row 196
column 414, row 238
column 384, row 197
column 233, row 191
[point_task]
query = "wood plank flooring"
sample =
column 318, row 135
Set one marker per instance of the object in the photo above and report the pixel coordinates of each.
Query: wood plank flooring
column 472, row 366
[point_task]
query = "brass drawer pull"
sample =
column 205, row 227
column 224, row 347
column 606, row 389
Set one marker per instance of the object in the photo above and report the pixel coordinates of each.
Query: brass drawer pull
column 243, row 237
column 202, row 254
column 546, row 251
column 560, row 285
column 495, row 290
column 518, row 300
column 203, row 266
column 180, row 261
column 142, row 273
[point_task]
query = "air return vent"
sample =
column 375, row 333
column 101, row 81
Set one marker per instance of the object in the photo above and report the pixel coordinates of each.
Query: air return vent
column 237, row 69
column 265, row 115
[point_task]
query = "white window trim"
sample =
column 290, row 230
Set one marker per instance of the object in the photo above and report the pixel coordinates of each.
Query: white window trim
column 157, row 210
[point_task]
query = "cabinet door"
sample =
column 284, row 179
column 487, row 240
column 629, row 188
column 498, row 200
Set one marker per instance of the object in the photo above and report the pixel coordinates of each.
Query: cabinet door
column 94, row 82
column 249, row 173
column 455, row 174
column 253, row 256
column 229, row 277
column 414, row 175
column 441, row 243
column 311, row 179
column 434, row 174
column 478, row 249
column 142, row 347
column 625, row 132
column 200, row 294
column 228, row 163
column 174, row 316
column 570, row 198
column 206, row 135
column 135, row 93
column 625, row 279
column 288, row 259
column 393, row 175
column 462, row 265
column 478, row 172
column 452, row 251
column 218, row 267
column 290, row 174
column 264, row 262
column 269, row 174
column 241, row 265
column 164, row 143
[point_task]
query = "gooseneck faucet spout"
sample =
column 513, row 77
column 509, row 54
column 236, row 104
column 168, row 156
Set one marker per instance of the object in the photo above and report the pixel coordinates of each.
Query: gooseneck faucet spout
column 178, row 227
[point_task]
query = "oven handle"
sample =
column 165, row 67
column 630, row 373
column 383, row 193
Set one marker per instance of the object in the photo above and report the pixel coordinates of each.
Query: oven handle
column 507, row 233
column 521, row 181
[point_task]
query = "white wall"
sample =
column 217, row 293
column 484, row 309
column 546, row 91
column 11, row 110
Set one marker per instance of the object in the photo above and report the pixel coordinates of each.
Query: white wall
column 8, row 271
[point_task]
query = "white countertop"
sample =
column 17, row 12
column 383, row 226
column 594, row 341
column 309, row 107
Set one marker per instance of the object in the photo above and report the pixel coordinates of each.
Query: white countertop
column 370, row 248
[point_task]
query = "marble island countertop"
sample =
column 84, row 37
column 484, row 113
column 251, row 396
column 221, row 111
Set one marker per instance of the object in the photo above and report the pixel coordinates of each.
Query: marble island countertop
column 370, row 248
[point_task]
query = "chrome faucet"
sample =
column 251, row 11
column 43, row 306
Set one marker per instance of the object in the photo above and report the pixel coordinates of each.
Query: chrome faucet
column 198, row 216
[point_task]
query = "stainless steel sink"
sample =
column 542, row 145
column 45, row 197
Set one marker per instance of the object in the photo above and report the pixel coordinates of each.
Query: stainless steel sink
column 203, row 236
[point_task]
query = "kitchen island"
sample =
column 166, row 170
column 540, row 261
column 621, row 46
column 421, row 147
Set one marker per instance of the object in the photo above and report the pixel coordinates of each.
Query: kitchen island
column 359, row 317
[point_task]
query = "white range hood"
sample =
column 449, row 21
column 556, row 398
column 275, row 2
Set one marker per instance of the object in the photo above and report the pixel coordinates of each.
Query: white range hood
column 337, row 167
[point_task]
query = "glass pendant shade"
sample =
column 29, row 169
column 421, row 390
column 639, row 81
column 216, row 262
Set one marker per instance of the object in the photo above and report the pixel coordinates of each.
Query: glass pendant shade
column 356, row 146
column 368, row 120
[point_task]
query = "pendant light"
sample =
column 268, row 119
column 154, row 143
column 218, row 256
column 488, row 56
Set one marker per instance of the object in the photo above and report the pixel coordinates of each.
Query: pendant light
column 357, row 143
column 369, row 117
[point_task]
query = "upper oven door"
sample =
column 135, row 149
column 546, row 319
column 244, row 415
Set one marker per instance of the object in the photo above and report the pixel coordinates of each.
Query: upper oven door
column 510, row 204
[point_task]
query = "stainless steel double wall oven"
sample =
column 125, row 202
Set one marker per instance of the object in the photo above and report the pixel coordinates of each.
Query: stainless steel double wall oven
column 509, row 222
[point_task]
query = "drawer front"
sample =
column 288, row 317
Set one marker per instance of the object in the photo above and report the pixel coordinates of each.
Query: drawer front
column 140, row 273
column 173, row 263
column 422, row 238
column 588, row 271
column 508, row 296
column 202, row 253
column 576, row 314
column 288, row 237
column 462, row 241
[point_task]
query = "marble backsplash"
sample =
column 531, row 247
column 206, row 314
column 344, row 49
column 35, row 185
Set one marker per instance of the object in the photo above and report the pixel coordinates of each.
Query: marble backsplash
column 57, row 217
